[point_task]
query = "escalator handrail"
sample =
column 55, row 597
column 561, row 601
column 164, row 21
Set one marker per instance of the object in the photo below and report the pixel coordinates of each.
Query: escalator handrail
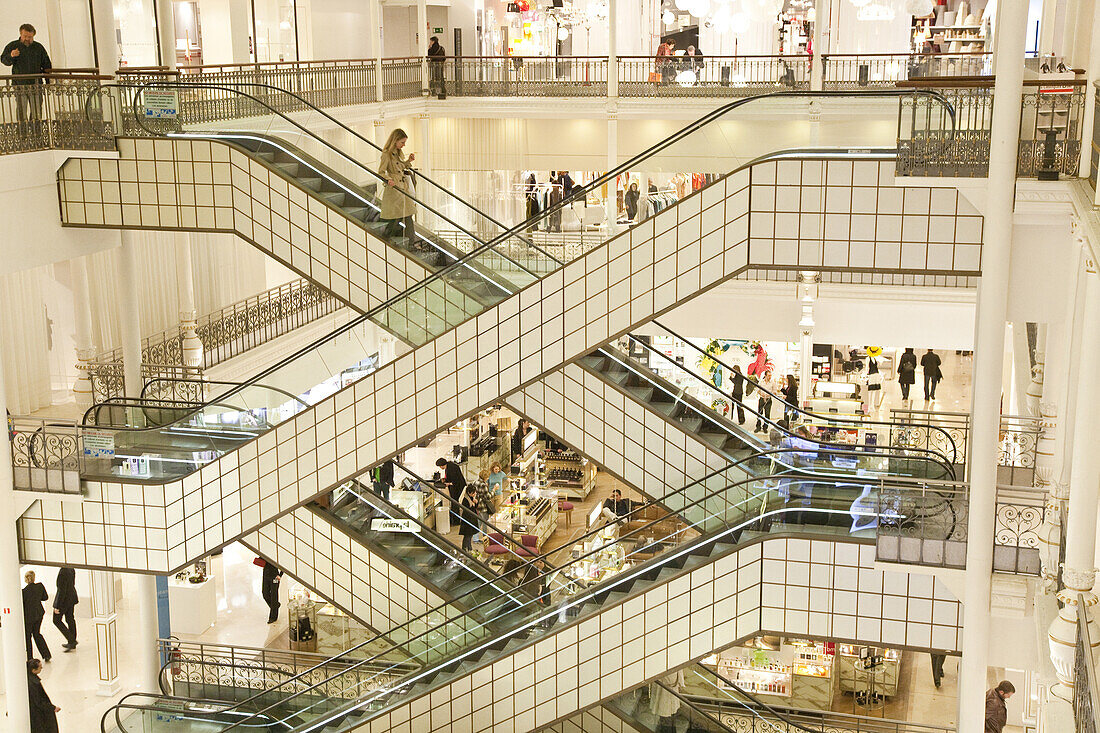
column 884, row 450
column 139, row 89
column 755, row 700
column 222, row 382
column 122, row 704
column 799, row 409
column 659, row 559
column 149, row 404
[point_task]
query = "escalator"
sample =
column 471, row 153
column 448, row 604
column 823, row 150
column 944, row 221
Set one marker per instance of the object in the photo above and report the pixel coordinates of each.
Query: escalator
column 450, row 373
column 658, row 559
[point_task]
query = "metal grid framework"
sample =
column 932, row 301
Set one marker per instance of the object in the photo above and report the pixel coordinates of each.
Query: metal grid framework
column 684, row 250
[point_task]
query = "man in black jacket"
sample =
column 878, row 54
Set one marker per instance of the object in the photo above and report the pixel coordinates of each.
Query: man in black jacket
column 64, row 605
column 34, row 593
column 456, row 482
column 27, row 56
column 436, row 54
column 43, row 711
column 270, row 590
column 930, row 363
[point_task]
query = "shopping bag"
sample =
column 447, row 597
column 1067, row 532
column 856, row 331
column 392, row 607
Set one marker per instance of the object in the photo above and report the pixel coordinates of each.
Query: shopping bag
column 654, row 76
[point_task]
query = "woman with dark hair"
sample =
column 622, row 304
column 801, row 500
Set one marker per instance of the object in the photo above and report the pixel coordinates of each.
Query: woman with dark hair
column 43, row 711
column 790, row 396
column 907, row 371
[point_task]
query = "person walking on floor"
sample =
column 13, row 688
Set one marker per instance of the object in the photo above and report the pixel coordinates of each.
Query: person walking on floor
column 907, row 371
column 764, row 403
column 398, row 207
column 64, row 606
column 738, row 380
column 27, row 56
column 456, row 483
column 34, row 594
column 930, row 363
column 996, row 712
column 937, row 668
column 383, row 479
column 43, row 711
column 630, row 201
column 269, row 589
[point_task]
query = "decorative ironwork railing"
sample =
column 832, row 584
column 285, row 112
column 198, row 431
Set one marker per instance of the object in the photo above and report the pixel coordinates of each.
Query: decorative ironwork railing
column 1020, row 513
column 224, row 334
column 46, row 455
column 51, row 111
column 1086, row 687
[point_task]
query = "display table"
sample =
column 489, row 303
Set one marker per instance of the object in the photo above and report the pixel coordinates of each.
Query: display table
column 882, row 680
column 539, row 517
column 193, row 607
column 799, row 674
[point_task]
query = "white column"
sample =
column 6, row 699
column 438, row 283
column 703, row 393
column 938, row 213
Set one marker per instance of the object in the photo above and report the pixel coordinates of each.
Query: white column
column 191, row 347
column 56, row 43
column 422, row 42
column 610, row 206
column 106, row 635
column 374, row 9
column 807, row 294
column 817, row 65
column 12, row 642
column 106, row 42
column 1033, row 395
column 988, row 359
column 612, row 49
column 1088, row 44
column 85, row 349
column 145, row 600
column 1079, row 572
column 1046, row 27
column 166, row 33
column 239, row 24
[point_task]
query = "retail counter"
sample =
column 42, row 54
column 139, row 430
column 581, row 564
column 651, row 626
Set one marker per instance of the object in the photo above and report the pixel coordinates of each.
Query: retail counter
column 538, row 517
column 799, row 674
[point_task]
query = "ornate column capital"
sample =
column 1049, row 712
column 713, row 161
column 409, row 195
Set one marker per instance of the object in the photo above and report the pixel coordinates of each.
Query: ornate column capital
column 1078, row 580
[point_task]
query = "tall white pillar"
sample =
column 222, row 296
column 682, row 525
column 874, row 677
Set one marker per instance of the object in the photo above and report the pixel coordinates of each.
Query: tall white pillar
column 988, row 361
column 422, row 42
column 374, row 10
column 611, row 205
column 807, row 294
column 106, row 632
column 1079, row 571
column 166, row 32
column 817, row 63
column 612, row 49
column 85, row 348
column 106, row 41
column 11, row 599
column 56, row 34
column 191, row 349
column 130, row 323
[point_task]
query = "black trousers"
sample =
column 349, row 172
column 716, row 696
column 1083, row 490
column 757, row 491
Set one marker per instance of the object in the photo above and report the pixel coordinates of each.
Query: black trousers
column 34, row 632
column 270, row 593
column 764, row 407
column 65, row 622
column 905, row 390
column 930, row 387
column 937, row 667
column 740, row 410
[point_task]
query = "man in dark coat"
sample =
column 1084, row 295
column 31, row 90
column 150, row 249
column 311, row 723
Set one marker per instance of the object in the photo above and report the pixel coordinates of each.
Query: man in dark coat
column 738, row 383
column 930, row 363
column 996, row 712
column 270, row 590
column 907, row 370
column 436, row 56
column 43, row 711
column 34, row 593
column 456, row 482
column 27, row 56
column 64, row 606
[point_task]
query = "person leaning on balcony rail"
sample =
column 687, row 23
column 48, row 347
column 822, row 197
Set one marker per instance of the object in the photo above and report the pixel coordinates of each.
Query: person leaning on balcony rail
column 27, row 56
column 664, row 60
column 396, row 170
column 436, row 55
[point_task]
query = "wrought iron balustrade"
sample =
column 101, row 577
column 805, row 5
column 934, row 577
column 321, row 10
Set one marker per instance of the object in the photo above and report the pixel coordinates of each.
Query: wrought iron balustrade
column 46, row 455
column 52, row 112
column 847, row 71
column 225, row 333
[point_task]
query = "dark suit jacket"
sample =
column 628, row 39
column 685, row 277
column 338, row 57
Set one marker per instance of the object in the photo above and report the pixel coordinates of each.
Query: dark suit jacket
column 43, row 717
column 65, row 597
column 33, row 596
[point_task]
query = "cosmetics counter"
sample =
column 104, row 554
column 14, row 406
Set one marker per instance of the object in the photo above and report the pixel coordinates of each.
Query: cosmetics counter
column 797, row 674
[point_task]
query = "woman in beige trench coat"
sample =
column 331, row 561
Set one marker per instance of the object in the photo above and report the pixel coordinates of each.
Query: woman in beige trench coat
column 396, row 170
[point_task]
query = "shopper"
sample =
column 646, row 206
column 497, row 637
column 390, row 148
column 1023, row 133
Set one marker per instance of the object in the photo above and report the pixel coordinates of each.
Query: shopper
column 497, row 479
column 693, row 58
column 567, row 186
column 43, row 711
column 396, row 170
column 937, row 668
column 517, row 439
column 630, row 201
column 907, row 371
column 738, row 380
column 930, row 363
column 467, row 517
column 555, row 202
column 383, row 479
column 764, row 402
column 615, row 507
column 664, row 700
column 34, row 593
column 790, row 396
column 269, row 589
column 455, row 483
column 64, row 606
column 436, row 56
column 531, row 196
column 663, row 60
column 996, row 712
column 27, row 56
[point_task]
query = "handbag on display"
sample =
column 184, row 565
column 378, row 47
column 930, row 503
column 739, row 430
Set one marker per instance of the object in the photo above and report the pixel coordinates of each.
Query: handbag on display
column 260, row 562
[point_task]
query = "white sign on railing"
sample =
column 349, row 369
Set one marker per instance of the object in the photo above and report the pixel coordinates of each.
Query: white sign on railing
column 394, row 525
column 161, row 104
column 99, row 444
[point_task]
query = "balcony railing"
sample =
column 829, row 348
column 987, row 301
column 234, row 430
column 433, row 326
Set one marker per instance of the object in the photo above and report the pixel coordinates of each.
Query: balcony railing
column 224, row 333
column 1086, row 687
column 48, row 112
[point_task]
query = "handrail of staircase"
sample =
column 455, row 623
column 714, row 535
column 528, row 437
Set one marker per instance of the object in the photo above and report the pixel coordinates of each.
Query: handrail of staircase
column 953, row 458
column 749, row 517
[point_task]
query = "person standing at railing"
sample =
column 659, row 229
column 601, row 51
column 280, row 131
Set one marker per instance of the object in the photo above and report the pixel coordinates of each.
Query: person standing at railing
column 664, row 61
column 396, row 170
column 693, row 61
column 27, row 56
column 436, row 56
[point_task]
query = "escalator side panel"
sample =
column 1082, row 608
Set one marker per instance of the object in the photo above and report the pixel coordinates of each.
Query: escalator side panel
column 596, row 720
column 689, row 616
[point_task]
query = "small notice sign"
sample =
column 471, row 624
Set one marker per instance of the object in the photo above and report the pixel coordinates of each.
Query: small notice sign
column 99, row 444
column 161, row 104
column 394, row 525
column 437, row 30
